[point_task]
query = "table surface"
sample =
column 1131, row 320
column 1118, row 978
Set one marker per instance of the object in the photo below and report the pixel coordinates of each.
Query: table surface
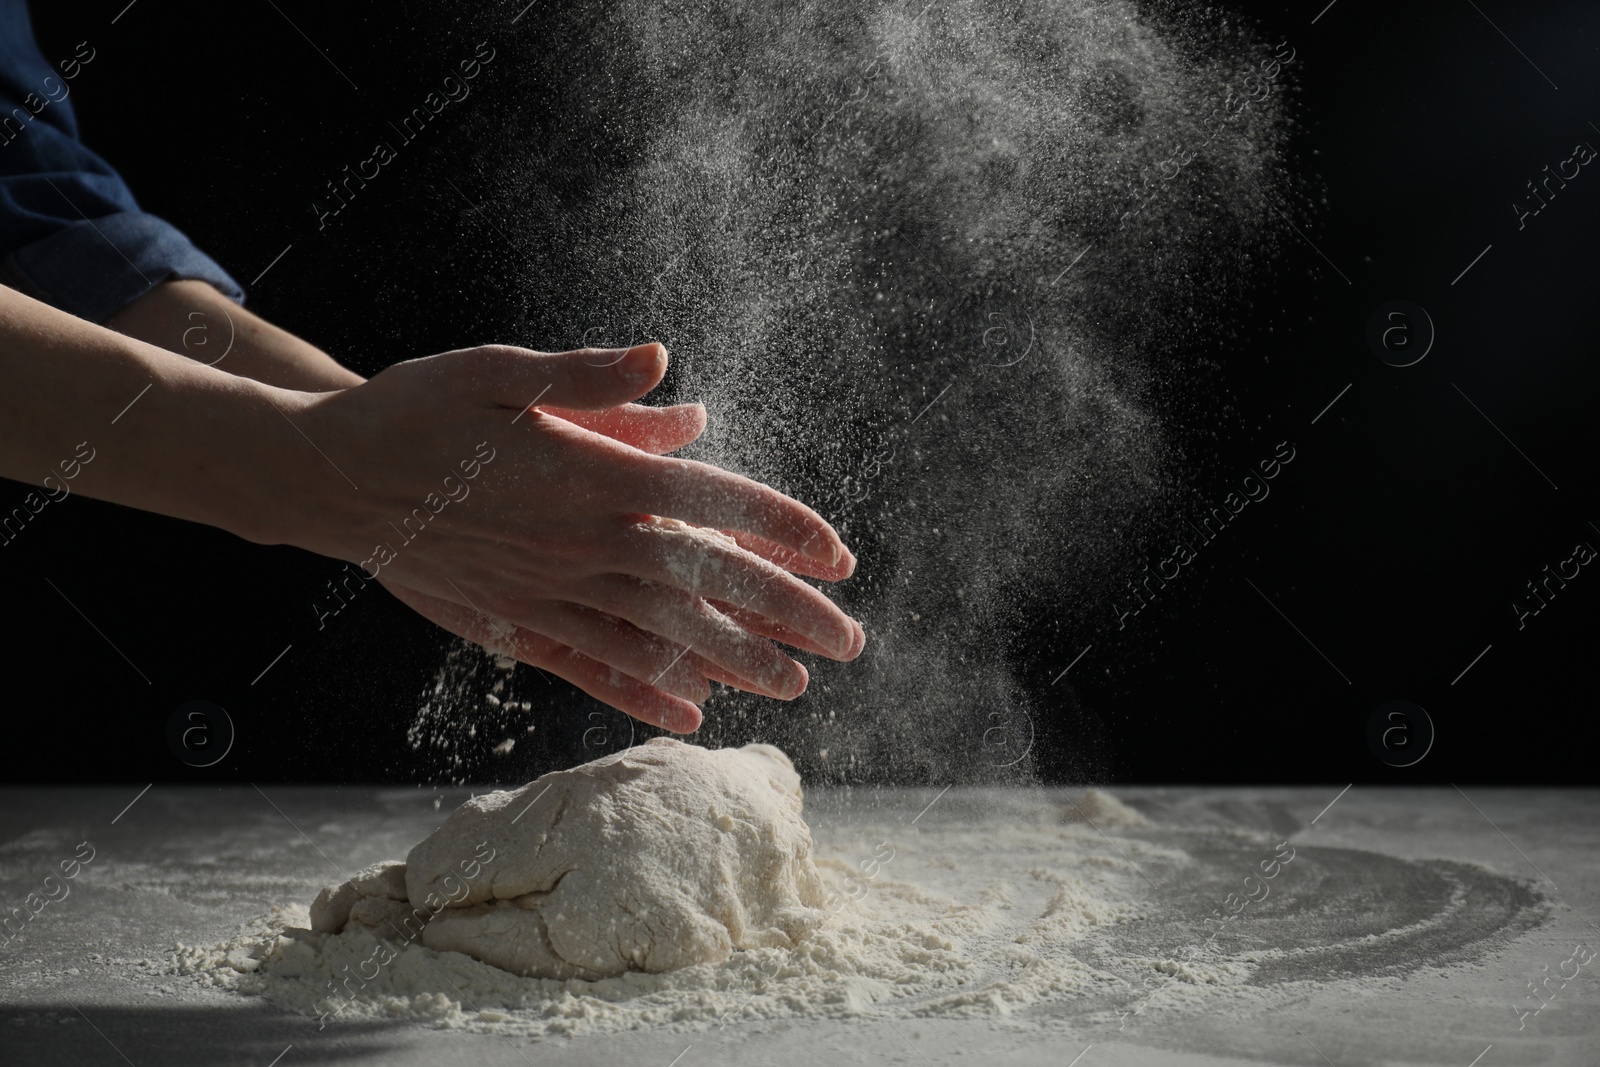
column 1516, row 874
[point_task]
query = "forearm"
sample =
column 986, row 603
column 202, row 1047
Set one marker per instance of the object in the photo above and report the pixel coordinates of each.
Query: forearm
column 192, row 319
column 159, row 432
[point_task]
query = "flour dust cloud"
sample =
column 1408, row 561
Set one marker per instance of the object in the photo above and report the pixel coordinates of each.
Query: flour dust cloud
column 950, row 273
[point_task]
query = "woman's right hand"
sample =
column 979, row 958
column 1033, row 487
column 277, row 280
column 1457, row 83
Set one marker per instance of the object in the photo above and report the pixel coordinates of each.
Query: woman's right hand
column 575, row 545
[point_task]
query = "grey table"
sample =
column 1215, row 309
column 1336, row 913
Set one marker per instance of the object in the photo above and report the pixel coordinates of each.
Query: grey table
column 1433, row 910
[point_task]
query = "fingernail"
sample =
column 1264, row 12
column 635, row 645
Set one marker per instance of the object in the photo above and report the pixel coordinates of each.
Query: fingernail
column 641, row 363
column 793, row 682
column 846, row 647
column 682, row 720
column 826, row 552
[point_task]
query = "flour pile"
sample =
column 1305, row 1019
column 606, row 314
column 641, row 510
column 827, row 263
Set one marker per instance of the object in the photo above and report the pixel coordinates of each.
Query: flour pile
column 671, row 886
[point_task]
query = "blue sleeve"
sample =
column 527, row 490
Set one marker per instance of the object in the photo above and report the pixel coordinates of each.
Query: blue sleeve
column 71, row 233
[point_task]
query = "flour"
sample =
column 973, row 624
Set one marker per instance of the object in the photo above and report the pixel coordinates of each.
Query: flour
column 900, row 928
column 984, row 905
column 473, row 691
column 936, row 955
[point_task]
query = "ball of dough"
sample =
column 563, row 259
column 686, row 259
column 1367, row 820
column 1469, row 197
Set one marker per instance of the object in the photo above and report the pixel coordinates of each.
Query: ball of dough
column 654, row 858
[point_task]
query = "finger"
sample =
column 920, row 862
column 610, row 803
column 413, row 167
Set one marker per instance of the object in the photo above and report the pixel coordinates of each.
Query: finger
column 644, row 657
column 717, row 674
column 704, row 495
column 654, row 430
column 604, row 683
column 587, row 379
column 790, row 560
column 763, row 627
column 711, row 565
column 628, row 695
column 690, row 621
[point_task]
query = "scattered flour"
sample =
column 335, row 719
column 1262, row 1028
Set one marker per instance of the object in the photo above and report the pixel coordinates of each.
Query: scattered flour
column 691, row 898
column 900, row 943
column 985, row 904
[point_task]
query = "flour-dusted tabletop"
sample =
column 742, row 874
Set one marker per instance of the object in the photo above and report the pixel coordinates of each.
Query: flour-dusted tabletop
column 1423, row 926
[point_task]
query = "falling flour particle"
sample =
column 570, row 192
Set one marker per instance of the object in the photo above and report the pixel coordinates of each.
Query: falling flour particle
column 473, row 687
column 651, row 859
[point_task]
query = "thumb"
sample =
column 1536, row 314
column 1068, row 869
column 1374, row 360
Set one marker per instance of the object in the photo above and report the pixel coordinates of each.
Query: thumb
column 586, row 379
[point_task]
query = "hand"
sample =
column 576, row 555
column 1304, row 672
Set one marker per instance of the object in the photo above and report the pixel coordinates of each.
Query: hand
column 573, row 546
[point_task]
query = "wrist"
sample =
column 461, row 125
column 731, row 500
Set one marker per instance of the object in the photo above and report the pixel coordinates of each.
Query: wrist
column 210, row 447
column 91, row 411
column 288, row 470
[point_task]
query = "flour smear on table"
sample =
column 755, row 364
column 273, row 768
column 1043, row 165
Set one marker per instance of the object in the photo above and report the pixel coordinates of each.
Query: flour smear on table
column 908, row 927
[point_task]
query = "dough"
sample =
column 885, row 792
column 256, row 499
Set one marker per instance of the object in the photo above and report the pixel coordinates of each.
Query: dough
column 382, row 882
column 657, row 857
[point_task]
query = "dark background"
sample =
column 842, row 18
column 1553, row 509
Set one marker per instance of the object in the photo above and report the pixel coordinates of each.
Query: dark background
column 1394, row 543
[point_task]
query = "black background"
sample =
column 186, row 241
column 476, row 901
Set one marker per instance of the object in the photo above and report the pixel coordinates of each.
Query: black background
column 1395, row 542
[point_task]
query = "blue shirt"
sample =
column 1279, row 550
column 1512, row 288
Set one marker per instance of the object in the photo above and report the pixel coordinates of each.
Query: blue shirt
column 71, row 233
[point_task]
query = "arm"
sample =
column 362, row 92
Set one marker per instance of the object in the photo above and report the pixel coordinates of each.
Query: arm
column 571, row 555
column 579, row 553
column 193, row 319
column 193, row 445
